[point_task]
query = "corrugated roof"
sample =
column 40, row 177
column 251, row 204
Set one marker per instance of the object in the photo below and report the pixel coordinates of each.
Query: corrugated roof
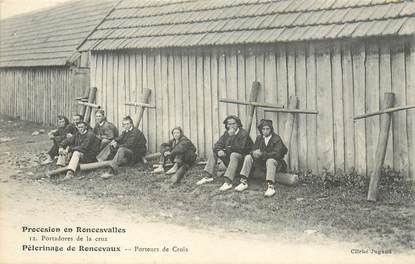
column 183, row 23
column 50, row 36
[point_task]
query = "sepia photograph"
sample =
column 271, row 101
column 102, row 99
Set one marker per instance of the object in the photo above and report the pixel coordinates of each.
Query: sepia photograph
column 207, row 131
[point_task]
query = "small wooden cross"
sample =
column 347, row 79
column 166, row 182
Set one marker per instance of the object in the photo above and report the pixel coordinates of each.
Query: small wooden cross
column 385, row 121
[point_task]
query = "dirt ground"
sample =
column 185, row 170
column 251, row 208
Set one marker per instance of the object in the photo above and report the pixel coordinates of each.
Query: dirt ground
column 335, row 217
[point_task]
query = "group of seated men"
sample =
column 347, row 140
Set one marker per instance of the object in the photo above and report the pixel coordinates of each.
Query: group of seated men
column 76, row 143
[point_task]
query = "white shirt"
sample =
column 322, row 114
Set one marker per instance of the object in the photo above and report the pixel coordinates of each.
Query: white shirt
column 267, row 140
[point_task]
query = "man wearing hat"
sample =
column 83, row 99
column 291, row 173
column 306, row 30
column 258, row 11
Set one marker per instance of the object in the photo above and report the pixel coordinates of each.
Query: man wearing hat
column 231, row 147
column 267, row 154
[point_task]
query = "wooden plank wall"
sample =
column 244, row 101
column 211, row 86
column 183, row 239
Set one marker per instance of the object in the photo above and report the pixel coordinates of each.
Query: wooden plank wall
column 339, row 79
column 40, row 94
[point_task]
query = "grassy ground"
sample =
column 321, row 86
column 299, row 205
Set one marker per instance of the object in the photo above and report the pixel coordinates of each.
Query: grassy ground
column 321, row 208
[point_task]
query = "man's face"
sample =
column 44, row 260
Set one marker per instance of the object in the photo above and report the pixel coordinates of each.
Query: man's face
column 231, row 123
column 176, row 134
column 76, row 119
column 61, row 123
column 82, row 128
column 266, row 131
column 99, row 117
column 126, row 125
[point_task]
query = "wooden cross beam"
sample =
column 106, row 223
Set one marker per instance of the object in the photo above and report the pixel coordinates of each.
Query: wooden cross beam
column 251, row 104
column 87, row 103
column 385, row 121
column 141, row 105
column 292, row 110
column 83, row 99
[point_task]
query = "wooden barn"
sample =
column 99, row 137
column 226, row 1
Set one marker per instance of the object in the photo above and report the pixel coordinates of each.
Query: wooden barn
column 339, row 57
column 41, row 72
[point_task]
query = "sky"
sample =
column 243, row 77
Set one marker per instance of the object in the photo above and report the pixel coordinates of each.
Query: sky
column 10, row 8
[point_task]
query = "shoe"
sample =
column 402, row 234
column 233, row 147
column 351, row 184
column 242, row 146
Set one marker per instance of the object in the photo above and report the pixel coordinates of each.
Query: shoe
column 107, row 175
column 172, row 170
column 226, row 186
column 242, row 186
column 49, row 160
column 69, row 175
column 270, row 191
column 204, row 180
column 159, row 169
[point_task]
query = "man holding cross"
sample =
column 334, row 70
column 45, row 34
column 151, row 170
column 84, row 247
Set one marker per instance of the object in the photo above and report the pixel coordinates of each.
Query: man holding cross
column 231, row 148
column 267, row 154
column 81, row 147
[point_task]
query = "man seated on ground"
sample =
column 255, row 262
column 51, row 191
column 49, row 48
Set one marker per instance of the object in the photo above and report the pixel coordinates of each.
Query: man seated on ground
column 231, row 147
column 179, row 150
column 64, row 130
column 80, row 148
column 104, row 130
column 129, row 148
column 267, row 154
column 73, row 129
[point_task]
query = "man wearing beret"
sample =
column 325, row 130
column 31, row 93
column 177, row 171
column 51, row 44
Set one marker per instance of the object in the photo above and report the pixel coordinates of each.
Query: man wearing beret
column 267, row 154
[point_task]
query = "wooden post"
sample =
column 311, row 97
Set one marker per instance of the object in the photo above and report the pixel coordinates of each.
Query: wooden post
column 83, row 167
column 251, row 109
column 289, row 125
column 83, row 107
column 140, row 112
column 91, row 99
column 381, row 147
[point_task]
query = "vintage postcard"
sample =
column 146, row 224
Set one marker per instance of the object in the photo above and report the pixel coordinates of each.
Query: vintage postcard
column 207, row 131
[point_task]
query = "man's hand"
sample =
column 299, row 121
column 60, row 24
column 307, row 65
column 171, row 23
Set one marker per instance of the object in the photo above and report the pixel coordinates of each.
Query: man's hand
column 167, row 153
column 113, row 144
column 50, row 134
column 257, row 153
column 221, row 153
column 69, row 135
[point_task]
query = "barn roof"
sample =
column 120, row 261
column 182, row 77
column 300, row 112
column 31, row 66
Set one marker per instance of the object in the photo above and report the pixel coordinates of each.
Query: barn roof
column 184, row 23
column 50, row 36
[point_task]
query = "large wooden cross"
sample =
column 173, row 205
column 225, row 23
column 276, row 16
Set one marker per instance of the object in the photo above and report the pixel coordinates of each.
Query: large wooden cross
column 141, row 106
column 285, row 178
column 88, row 103
column 292, row 111
column 252, row 104
column 385, row 121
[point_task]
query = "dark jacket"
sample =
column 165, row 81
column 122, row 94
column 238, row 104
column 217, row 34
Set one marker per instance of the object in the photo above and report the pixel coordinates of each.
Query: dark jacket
column 135, row 141
column 106, row 131
column 183, row 147
column 239, row 143
column 88, row 144
column 275, row 148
